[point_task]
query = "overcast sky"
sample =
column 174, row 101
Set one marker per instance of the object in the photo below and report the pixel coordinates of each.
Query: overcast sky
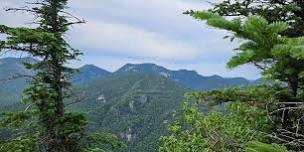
column 117, row 32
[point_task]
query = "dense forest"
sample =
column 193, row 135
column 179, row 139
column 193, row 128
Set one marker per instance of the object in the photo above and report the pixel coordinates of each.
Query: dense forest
column 147, row 107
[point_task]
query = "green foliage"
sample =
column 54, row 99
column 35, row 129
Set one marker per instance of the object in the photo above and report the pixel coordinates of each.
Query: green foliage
column 106, row 141
column 271, row 35
column 264, row 46
column 254, row 94
column 15, row 119
column 134, row 107
column 27, row 143
column 45, row 126
column 289, row 11
column 229, row 130
column 280, row 57
column 255, row 146
column 95, row 150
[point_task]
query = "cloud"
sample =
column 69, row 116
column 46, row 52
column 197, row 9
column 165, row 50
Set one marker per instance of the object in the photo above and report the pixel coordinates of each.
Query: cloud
column 120, row 31
column 149, row 29
column 121, row 39
column 13, row 18
column 165, row 16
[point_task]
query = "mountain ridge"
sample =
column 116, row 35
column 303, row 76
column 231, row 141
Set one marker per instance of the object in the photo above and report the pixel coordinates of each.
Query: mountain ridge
column 131, row 102
column 127, row 65
column 89, row 72
column 189, row 78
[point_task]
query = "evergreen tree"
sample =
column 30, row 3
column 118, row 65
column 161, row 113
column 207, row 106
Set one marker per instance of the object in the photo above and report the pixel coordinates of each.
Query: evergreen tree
column 279, row 56
column 288, row 11
column 51, row 128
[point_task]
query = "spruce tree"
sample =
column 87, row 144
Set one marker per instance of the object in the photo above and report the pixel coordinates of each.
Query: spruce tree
column 57, row 129
column 280, row 57
column 288, row 11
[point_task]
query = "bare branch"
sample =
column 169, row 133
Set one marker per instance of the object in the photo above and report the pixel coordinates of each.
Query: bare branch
column 72, row 23
column 22, row 9
column 28, row 107
column 286, row 108
column 72, row 16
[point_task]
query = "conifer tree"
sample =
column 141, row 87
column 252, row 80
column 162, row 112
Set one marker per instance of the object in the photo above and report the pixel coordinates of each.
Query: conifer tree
column 279, row 56
column 271, row 38
column 288, row 11
column 56, row 130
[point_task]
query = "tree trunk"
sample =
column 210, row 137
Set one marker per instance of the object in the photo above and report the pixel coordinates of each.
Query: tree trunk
column 294, row 85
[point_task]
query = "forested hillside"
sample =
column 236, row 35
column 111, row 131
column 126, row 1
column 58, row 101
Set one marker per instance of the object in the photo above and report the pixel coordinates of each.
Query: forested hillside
column 15, row 78
column 133, row 106
column 191, row 79
column 47, row 106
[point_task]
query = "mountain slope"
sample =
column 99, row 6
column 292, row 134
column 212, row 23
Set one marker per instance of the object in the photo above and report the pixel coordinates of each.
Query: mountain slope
column 89, row 73
column 191, row 79
column 132, row 102
column 131, row 105
column 13, row 79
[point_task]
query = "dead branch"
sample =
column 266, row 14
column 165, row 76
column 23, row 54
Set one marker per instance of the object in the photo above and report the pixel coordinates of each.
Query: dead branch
column 286, row 108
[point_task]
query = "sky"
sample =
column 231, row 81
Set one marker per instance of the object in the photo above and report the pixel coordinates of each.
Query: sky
column 117, row 32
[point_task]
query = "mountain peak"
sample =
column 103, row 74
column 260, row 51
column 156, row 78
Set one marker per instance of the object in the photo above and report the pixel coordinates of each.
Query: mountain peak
column 189, row 78
column 187, row 71
column 142, row 68
column 89, row 67
column 89, row 72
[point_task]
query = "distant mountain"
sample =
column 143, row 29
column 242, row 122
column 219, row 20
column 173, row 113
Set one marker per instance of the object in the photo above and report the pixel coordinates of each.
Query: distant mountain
column 89, row 73
column 132, row 102
column 13, row 79
column 134, row 106
column 12, row 66
column 191, row 79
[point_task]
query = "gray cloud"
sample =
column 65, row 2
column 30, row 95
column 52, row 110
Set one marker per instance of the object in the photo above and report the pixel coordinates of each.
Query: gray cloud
column 143, row 31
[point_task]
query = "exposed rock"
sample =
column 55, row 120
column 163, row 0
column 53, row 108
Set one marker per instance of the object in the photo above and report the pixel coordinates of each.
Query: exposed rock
column 143, row 99
column 131, row 105
column 165, row 74
column 101, row 98
column 129, row 135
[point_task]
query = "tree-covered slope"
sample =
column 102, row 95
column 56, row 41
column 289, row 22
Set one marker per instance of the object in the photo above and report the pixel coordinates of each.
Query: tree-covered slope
column 132, row 102
column 134, row 106
column 13, row 79
column 191, row 79
column 88, row 73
